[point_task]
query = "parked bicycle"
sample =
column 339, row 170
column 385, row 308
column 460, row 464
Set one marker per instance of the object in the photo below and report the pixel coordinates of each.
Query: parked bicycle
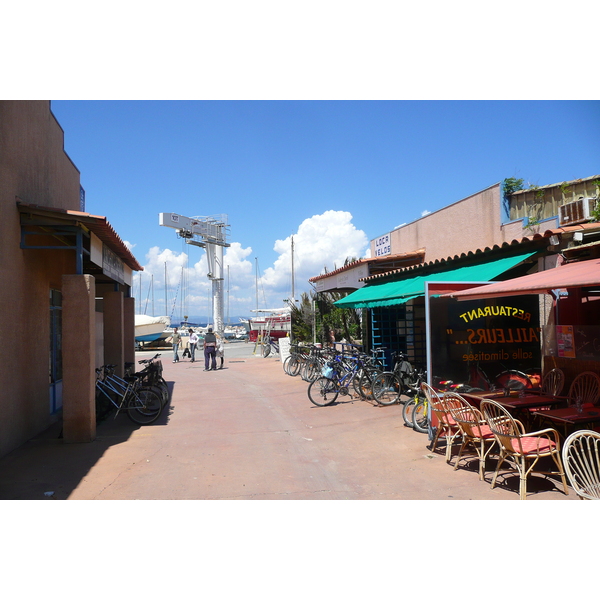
column 338, row 375
column 151, row 376
column 417, row 396
column 142, row 404
column 402, row 381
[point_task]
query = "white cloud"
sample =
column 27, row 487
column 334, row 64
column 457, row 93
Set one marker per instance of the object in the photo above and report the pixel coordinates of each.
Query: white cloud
column 425, row 212
column 322, row 240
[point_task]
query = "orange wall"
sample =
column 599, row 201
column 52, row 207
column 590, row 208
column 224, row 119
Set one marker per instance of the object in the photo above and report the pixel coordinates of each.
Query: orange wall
column 34, row 168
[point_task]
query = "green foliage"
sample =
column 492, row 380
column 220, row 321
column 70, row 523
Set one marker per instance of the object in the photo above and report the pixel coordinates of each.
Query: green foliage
column 565, row 188
column 302, row 319
column 318, row 309
column 595, row 212
column 539, row 193
column 511, row 185
column 538, row 206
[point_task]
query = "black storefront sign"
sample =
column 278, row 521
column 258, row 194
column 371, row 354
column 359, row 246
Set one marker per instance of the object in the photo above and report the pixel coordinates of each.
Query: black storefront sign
column 474, row 341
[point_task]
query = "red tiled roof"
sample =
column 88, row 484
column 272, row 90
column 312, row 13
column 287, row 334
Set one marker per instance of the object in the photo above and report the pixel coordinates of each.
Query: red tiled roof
column 579, row 274
column 97, row 224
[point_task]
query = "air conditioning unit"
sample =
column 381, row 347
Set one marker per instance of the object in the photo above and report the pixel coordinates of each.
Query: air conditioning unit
column 576, row 212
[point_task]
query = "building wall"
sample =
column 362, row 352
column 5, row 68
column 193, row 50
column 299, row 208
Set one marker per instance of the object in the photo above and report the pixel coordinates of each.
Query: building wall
column 34, row 168
column 468, row 224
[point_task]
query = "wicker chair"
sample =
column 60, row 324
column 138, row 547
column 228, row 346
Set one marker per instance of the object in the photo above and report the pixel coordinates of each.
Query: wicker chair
column 552, row 385
column 474, row 429
column 525, row 449
column 553, row 382
column 446, row 425
column 586, row 387
column 581, row 457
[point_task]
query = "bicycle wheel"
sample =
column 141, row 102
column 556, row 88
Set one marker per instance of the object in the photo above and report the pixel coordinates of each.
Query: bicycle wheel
column 312, row 370
column 144, row 407
column 162, row 392
column 165, row 387
column 365, row 386
column 304, row 370
column 420, row 416
column 356, row 384
column 407, row 411
column 386, row 388
column 323, row 391
column 295, row 366
column 286, row 364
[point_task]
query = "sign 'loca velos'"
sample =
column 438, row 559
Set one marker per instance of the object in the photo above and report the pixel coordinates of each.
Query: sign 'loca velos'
column 383, row 245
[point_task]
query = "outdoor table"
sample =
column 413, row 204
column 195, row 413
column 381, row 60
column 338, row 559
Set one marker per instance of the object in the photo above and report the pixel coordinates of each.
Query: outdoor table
column 569, row 417
column 475, row 398
column 529, row 401
column 516, row 402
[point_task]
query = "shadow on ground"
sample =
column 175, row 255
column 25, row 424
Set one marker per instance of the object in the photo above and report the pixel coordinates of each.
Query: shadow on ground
column 46, row 467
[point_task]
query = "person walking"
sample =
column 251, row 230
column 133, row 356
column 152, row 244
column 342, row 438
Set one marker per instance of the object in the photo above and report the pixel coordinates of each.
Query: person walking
column 220, row 350
column 193, row 344
column 176, row 340
column 210, row 349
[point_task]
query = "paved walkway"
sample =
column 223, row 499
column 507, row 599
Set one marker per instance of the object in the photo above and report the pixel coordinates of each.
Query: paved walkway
column 249, row 432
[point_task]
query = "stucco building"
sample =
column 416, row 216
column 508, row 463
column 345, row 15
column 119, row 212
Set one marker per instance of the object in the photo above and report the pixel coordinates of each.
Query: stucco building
column 66, row 284
column 493, row 235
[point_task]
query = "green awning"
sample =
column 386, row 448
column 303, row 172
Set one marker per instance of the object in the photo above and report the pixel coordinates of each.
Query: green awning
column 396, row 292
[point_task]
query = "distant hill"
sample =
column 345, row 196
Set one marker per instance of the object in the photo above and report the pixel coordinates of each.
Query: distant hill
column 204, row 320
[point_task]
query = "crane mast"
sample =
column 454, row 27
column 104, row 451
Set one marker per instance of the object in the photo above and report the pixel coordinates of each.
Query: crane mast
column 210, row 233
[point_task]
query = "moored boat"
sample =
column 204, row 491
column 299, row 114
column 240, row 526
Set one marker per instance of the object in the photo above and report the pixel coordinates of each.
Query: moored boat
column 148, row 329
column 275, row 323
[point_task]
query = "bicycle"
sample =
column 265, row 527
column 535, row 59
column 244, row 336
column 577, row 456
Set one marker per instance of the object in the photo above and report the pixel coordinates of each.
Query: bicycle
column 267, row 346
column 401, row 381
column 151, row 376
column 314, row 363
column 142, row 405
column 293, row 363
column 417, row 395
column 337, row 376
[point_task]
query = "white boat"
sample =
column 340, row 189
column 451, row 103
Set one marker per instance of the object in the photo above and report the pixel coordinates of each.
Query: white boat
column 148, row 329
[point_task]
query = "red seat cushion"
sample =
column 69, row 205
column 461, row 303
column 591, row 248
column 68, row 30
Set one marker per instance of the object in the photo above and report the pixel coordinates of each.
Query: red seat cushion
column 532, row 445
column 484, row 430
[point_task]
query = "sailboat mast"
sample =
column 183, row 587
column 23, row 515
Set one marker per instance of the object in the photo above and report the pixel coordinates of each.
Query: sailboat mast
column 256, row 277
column 293, row 292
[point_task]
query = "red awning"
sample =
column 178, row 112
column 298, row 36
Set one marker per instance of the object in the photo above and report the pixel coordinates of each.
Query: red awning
column 574, row 275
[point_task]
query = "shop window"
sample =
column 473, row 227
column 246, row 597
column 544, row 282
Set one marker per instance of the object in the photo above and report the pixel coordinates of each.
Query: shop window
column 400, row 329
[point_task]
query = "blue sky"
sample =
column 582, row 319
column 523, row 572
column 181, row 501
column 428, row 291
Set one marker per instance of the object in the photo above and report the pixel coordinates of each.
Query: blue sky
column 334, row 174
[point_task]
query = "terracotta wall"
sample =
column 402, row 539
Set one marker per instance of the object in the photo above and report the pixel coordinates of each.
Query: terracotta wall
column 35, row 168
column 466, row 225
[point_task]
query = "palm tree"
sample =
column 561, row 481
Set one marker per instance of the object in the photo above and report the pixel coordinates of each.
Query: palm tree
column 319, row 309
